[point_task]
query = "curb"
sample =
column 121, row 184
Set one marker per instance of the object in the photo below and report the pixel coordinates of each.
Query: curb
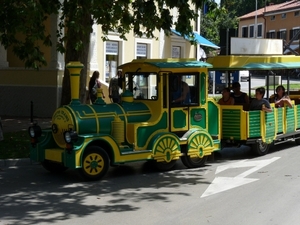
column 16, row 162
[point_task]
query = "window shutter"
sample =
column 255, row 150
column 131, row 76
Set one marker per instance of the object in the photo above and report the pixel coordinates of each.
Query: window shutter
column 278, row 34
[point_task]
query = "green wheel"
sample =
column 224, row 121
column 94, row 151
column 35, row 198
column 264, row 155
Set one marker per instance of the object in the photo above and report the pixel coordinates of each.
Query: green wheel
column 54, row 167
column 95, row 163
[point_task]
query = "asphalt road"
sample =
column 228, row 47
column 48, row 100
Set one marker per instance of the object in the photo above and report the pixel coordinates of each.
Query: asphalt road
column 236, row 188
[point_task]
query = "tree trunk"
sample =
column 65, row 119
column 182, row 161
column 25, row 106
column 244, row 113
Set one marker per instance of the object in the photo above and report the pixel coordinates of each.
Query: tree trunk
column 75, row 53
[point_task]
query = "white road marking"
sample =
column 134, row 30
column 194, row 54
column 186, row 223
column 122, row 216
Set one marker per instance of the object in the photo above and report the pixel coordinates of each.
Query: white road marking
column 220, row 184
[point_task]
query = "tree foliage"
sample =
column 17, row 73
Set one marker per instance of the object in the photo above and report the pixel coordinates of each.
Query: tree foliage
column 215, row 19
column 23, row 26
column 242, row 7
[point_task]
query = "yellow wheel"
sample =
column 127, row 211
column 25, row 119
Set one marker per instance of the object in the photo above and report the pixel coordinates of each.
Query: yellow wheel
column 200, row 145
column 95, row 163
column 166, row 152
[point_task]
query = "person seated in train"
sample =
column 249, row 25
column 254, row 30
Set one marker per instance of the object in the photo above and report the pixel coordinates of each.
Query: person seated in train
column 281, row 98
column 240, row 97
column 226, row 98
column 259, row 103
column 181, row 93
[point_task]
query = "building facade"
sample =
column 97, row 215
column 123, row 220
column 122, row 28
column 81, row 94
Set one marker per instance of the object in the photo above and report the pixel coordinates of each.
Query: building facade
column 21, row 88
column 280, row 21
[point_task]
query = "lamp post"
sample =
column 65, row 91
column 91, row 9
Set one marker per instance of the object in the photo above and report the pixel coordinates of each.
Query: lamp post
column 255, row 23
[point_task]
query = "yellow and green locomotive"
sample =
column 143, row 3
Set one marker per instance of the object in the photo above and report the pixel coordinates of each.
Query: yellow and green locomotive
column 149, row 124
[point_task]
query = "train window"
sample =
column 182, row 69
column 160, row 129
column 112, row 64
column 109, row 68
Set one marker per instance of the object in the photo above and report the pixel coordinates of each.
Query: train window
column 142, row 85
column 177, row 85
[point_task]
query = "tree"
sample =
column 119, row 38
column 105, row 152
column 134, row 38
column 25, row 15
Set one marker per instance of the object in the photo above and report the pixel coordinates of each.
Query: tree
column 215, row 19
column 242, row 7
column 23, row 26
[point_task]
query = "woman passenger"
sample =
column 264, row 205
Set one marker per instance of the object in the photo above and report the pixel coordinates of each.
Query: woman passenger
column 94, row 84
column 226, row 98
column 280, row 98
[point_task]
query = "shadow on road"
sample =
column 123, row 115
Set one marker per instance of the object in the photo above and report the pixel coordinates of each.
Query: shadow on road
column 31, row 195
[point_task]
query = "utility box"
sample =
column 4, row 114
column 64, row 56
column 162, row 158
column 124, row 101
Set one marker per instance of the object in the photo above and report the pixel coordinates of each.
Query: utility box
column 273, row 80
column 256, row 46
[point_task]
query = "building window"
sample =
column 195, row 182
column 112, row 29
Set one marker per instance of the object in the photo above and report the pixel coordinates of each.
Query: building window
column 281, row 34
column 283, row 15
column 297, row 13
column 244, row 32
column 176, row 52
column 271, row 34
column 251, row 31
column 259, row 30
column 112, row 55
column 272, row 17
column 141, row 51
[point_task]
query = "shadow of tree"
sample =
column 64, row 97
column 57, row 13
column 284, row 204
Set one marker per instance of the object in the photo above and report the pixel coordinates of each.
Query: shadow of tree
column 31, row 195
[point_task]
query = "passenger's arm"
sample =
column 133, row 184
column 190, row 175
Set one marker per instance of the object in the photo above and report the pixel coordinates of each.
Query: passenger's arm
column 266, row 107
column 287, row 101
column 231, row 101
column 184, row 92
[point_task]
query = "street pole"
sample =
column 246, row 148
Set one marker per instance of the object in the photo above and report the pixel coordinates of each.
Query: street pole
column 255, row 25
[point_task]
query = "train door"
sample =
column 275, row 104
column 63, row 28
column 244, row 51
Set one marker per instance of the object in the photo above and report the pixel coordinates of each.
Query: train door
column 182, row 95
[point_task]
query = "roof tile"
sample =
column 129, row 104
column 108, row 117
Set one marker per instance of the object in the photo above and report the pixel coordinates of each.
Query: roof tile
column 273, row 8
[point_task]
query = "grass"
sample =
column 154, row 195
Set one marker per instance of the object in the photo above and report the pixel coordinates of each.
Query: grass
column 15, row 145
column 293, row 87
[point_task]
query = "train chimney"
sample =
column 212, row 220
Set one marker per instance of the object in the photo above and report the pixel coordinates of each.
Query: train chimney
column 74, row 69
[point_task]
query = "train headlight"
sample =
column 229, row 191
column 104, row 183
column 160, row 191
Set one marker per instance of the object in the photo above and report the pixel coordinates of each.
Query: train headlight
column 70, row 136
column 35, row 131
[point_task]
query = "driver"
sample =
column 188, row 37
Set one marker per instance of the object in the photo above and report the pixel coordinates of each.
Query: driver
column 182, row 94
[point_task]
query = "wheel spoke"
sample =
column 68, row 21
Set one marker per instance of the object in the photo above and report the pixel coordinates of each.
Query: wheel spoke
column 95, row 163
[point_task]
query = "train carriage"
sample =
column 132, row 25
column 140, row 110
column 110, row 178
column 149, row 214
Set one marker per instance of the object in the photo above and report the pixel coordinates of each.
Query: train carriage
column 146, row 126
column 257, row 128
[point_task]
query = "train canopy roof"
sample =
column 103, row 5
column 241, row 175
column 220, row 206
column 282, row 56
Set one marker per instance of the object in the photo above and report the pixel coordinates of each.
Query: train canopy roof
column 166, row 63
column 234, row 62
